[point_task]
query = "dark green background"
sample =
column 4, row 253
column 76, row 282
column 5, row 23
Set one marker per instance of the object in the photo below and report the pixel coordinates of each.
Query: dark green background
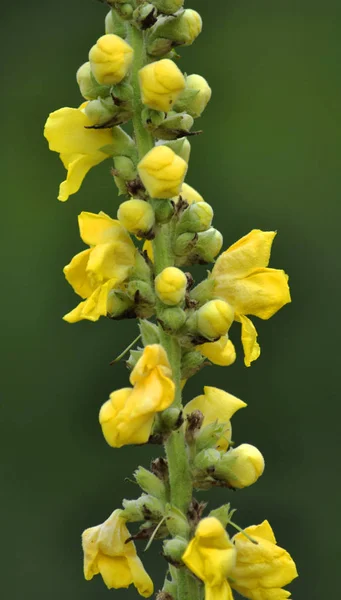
column 269, row 158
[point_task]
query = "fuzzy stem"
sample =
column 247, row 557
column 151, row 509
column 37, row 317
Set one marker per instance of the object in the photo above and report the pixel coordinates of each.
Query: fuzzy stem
column 178, row 463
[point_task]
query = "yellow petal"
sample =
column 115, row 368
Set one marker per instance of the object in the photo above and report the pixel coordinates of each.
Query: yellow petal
column 218, row 592
column 90, row 548
column 76, row 275
column 249, row 340
column 115, row 571
column 100, row 228
column 262, row 293
column 222, row 352
column 153, row 355
column 66, row 132
column 77, row 170
column 112, row 260
column 94, row 307
column 250, row 252
column 141, row 579
column 148, row 247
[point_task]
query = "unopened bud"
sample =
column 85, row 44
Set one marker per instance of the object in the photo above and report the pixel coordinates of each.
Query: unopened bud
column 110, row 59
column 214, row 319
column 184, row 244
column 118, row 304
column 197, row 217
column 192, row 361
column 115, row 24
column 172, row 319
column 181, row 30
column 137, row 216
column 144, row 15
column 162, row 172
column 150, row 483
column 168, row 7
column 125, row 10
column 207, row 459
column 88, row 86
column 170, row 286
column 173, row 127
column 141, row 292
column 100, row 111
column 125, row 168
column 241, row 466
column 195, row 96
column 171, row 417
column 209, row 244
column 176, row 522
column 144, row 508
column 189, row 194
column 161, row 83
column 174, row 549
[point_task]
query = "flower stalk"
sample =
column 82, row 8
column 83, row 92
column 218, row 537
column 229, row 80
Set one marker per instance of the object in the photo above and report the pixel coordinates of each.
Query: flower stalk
column 132, row 75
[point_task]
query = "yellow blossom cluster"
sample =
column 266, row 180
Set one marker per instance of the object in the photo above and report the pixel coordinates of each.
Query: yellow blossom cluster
column 139, row 266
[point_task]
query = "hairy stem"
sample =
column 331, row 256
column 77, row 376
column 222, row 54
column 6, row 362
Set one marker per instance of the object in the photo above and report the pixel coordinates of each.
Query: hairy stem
column 178, row 463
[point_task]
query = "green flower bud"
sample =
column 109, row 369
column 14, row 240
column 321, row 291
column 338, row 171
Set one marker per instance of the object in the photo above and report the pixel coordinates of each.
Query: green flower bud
column 118, row 304
column 209, row 244
column 214, row 319
column 241, row 466
column 125, row 168
column 125, row 10
column 170, row 418
column 132, row 510
column 141, row 292
column 197, row 217
column 89, row 88
column 181, row 30
column 181, row 147
column 172, row 318
column 101, row 111
column 115, row 24
column 150, row 332
column 207, row 459
column 173, row 127
column 174, row 549
column 185, row 244
column 195, row 96
column 168, row 7
column 150, row 484
column 164, row 211
column 145, row 16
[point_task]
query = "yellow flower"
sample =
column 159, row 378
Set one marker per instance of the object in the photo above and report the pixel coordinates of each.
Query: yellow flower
column 78, row 147
column 261, row 569
column 127, row 418
column 222, row 352
column 137, row 216
column 106, row 552
column 216, row 406
column 170, row 286
column 161, row 83
column 189, row 194
column 214, row 318
column 211, row 556
column 241, row 466
column 110, row 59
column 162, row 172
column 93, row 273
column 241, row 277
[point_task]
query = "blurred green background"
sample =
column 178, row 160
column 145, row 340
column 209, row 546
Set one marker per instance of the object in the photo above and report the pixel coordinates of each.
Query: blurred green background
column 269, row 158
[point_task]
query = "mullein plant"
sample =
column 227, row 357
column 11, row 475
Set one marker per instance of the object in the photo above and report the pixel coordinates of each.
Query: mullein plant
column 135, row 265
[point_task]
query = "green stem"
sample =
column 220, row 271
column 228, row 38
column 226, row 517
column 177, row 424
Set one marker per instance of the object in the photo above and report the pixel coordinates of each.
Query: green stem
column 176, row 451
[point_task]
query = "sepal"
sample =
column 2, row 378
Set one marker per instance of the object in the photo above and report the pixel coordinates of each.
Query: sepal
column 150, row 483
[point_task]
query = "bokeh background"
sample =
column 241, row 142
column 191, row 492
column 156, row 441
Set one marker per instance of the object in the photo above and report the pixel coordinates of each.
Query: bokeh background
column 269, row 158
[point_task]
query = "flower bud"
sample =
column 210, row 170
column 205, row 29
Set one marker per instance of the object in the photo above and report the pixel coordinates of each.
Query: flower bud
column 125, row 10
column 167, row 33
column 118, row 304
column 181, row 147
column 177, row 523
column 241, row 466
column 170, row 418
column 214, row 318
column 168, row 7
column 170, row 286
column 197, row 217
column 100, row 111
column 174, row 549
column 137, row 216
column 88, row 86
column 114, row 24
column 195, row 96
column 125, row 168
column 172, row 319
column 150, row 483
column 162, row 172
column 209, row 244
column 161, row 83
column 110, row 59
column 142, row 293
column 184, row 244
column 144, row 508
column 191, row 363
column 144, row 15
column 206, row 459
